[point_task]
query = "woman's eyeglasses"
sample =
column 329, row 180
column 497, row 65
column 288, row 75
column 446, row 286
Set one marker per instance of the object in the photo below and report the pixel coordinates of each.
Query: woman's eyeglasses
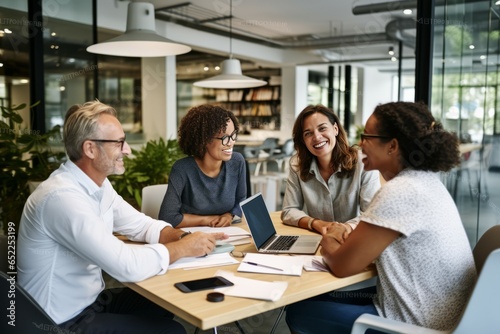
column 366, row 135
column 225, row 139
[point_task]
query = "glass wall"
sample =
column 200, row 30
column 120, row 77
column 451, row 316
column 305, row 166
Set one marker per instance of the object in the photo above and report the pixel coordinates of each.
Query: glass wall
column 69, row 71
column 464, row 98
column 317, row 93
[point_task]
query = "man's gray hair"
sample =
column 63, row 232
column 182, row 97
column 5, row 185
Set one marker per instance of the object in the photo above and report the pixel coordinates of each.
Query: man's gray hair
column 81, row 124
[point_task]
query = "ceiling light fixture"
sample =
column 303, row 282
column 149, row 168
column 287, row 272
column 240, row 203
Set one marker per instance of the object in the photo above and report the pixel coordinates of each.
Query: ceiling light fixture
column 407, row 11
column 391, row 51
column 140, row 39
column 231, row 76
column 497, row 2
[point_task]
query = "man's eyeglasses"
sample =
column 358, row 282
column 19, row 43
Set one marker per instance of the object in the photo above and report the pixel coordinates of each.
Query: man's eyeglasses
column 225, row 139
column 366, row 135
column 121, row 141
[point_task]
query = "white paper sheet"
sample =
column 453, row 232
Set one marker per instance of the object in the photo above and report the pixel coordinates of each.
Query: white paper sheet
column 229, row 230
column 289, row 265
column 211, row 260
column 314, row 263
column 251, row 288
column 237, row 235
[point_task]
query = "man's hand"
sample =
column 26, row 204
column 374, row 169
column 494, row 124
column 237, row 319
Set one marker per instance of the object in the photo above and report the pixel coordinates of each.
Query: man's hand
column 194, row 244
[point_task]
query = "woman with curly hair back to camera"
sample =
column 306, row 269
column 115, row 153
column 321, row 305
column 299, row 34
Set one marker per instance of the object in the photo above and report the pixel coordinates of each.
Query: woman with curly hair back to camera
column 327, row 186
column 206, row 187
column 412, row 231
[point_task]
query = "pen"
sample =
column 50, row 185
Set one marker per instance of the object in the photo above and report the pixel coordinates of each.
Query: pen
column 262, row 265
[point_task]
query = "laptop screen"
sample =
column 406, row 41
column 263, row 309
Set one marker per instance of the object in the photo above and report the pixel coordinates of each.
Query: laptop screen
column 258, row 219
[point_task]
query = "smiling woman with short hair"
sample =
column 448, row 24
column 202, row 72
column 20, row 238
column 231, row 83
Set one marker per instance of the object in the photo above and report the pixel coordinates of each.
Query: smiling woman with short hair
column 205, row 188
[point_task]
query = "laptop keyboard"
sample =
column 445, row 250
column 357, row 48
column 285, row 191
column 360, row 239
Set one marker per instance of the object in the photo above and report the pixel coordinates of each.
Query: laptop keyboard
column 283, row 242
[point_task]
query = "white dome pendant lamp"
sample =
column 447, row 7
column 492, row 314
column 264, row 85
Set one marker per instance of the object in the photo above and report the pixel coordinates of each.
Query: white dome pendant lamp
column 140, row 39
column 231, row 76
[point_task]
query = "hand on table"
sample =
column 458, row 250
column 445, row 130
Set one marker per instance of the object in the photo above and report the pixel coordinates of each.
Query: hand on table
column 335, row 230
column 194, row 244
column 221, row 221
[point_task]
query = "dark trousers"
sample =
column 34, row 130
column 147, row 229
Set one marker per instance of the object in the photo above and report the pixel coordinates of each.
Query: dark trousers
column 333, row 312
column 122, row 310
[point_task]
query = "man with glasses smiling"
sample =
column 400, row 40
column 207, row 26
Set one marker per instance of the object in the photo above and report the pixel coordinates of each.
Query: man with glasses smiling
column 66, row 236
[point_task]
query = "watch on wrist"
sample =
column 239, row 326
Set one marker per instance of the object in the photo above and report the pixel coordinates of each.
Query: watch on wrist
column 184, row 234
column 309, row 224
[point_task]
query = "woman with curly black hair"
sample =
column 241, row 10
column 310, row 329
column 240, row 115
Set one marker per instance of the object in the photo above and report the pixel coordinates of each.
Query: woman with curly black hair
column 205, row 188
column 412, row 231
column 327, row 183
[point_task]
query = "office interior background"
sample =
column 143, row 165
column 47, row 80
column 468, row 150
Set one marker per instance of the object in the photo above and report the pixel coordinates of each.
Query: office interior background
column 349, row 55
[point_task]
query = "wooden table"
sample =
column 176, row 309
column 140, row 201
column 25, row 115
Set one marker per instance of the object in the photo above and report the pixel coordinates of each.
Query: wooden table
column 195, row 309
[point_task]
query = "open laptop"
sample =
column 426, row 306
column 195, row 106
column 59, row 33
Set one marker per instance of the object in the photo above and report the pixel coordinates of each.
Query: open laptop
column 264, row 234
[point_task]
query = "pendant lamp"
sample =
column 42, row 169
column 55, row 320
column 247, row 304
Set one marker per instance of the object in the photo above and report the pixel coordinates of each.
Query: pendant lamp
column 231, row 76
column 140, row 39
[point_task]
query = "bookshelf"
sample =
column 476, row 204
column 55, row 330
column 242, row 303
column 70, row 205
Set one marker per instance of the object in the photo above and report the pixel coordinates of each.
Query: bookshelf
column 255, row 108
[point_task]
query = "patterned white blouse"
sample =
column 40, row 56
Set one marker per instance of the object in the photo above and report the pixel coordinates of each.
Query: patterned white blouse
column 427, row 274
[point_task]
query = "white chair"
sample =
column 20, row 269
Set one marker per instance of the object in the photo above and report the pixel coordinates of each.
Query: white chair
column 481, row 314
column 478, row 163
column 483, row 309
column 152, row 197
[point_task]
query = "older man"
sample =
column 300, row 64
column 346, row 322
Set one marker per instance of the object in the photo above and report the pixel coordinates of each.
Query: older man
column 66, row 236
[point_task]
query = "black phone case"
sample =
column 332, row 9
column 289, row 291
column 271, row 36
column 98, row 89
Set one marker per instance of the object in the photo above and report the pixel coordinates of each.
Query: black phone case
column 203, row 284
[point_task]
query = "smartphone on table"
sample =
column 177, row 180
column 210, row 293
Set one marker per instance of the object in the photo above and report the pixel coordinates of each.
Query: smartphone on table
column 203, row 284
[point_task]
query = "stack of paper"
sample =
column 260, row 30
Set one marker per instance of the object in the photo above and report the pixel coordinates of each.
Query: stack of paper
column 272, row 264
column 211, row 260
column 251, row 288
column 314, row 263
column 237, row 235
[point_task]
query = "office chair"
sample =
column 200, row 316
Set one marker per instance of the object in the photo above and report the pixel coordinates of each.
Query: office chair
column 488, row 242
column 478, row 163
column 482, row 310
column 152, row 197
column 28, row 315
column 282, row 158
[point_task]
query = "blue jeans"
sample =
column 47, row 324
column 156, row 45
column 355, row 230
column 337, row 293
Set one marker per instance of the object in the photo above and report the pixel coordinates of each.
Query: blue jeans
column 334, row 312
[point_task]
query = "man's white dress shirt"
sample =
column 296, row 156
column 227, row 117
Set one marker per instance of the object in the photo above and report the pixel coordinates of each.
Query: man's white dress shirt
column 66, row 237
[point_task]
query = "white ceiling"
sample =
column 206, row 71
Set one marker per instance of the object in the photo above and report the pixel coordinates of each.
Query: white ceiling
column 300, row 25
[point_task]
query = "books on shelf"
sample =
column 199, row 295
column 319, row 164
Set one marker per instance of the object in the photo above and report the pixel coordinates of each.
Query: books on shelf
column 220, row 95
column 236, row 95
column 261, row 110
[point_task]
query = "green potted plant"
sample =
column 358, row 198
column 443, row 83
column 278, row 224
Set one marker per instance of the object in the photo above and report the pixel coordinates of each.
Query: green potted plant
column 147, row 166
column 25, row 155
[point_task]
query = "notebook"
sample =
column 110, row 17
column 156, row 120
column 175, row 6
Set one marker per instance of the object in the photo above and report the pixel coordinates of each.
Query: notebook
column 264, row 234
